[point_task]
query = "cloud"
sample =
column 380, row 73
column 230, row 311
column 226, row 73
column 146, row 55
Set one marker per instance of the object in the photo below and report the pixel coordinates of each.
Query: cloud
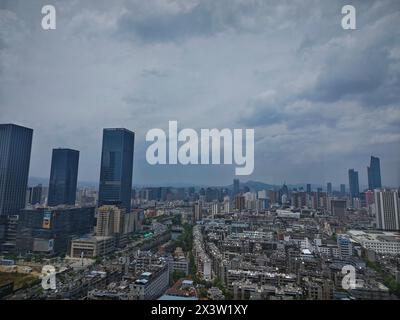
column 338, row 100
column 321, row 99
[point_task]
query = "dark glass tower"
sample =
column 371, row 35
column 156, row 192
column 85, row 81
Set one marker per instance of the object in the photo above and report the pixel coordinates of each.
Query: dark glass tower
column 15, row 155
column 116, row 168
column 63, row 177
column 329, row 188
column 353, row 184
column 343, row 189
column 374, row 174
column 236, row 186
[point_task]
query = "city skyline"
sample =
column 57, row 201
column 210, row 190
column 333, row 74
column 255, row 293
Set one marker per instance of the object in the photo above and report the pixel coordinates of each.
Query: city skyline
column 33, row 181
column 182, row 61
column 335, row 186
column 218, row 152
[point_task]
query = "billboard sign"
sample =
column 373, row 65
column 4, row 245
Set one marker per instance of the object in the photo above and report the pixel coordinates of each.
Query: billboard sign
column 46, row 220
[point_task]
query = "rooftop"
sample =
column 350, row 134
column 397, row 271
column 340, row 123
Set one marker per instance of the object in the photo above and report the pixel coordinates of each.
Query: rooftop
column 376, row 235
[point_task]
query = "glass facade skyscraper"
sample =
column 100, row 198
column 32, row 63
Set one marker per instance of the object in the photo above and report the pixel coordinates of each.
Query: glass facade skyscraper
column 374, row 174
column 63, row 177
column 343, row 189
column 353, row 184
column 236, row 187
column 329, row 188
column 116, row 168
column 15, row 155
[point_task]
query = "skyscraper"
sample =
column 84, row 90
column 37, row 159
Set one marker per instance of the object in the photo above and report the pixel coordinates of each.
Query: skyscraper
column 353, row 183
column 239, row 202
column 15, row 154
column 110, row 221
column 342, row 189
column 116, row 168
column 236, row 187
column 374, row 174
column 329, row 188
column 308, row 188
column 369, row 197
column 214, row 209
column 63, row 177
column 387, row 209
column 198, row 211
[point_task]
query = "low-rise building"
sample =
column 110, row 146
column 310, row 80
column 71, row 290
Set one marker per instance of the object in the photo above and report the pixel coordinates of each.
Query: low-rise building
column 92, row 246
column 383, row 242
column 151, row 285
column 51, row 230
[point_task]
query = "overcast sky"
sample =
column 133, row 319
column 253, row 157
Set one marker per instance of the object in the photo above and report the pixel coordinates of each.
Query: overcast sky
column 321, row 99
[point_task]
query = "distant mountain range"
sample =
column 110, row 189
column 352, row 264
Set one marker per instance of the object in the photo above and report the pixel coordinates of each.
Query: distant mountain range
column 258, row 186
column 252, row 185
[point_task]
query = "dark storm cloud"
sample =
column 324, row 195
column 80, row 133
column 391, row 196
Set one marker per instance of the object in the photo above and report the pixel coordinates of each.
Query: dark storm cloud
column 169, row 27
column 363, row 70
column 360, row 75
column 163, row 21
column 321, row 99
column 360, row 67
column 181, row 20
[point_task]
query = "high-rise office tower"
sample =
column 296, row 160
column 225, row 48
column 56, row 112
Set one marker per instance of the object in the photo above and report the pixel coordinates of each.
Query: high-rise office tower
column 239, row 202
column 329, row 188
column 273, row 196
column 374, row 174
column 321, row 198
column 198, row 211
column 214, row 209
column 369, row 197
column 227, row 205
column 15, row 154
column 110, row 221
column 353, row 183
column 342, row 189
column 116, row 168
column 387, row 209
column 236, row 187
column 308, row 188
column 63, row 177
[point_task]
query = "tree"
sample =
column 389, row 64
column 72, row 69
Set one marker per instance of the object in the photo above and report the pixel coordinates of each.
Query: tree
column 178, row 274
column 177, row 220
column 218, row 283
column 203, row 293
